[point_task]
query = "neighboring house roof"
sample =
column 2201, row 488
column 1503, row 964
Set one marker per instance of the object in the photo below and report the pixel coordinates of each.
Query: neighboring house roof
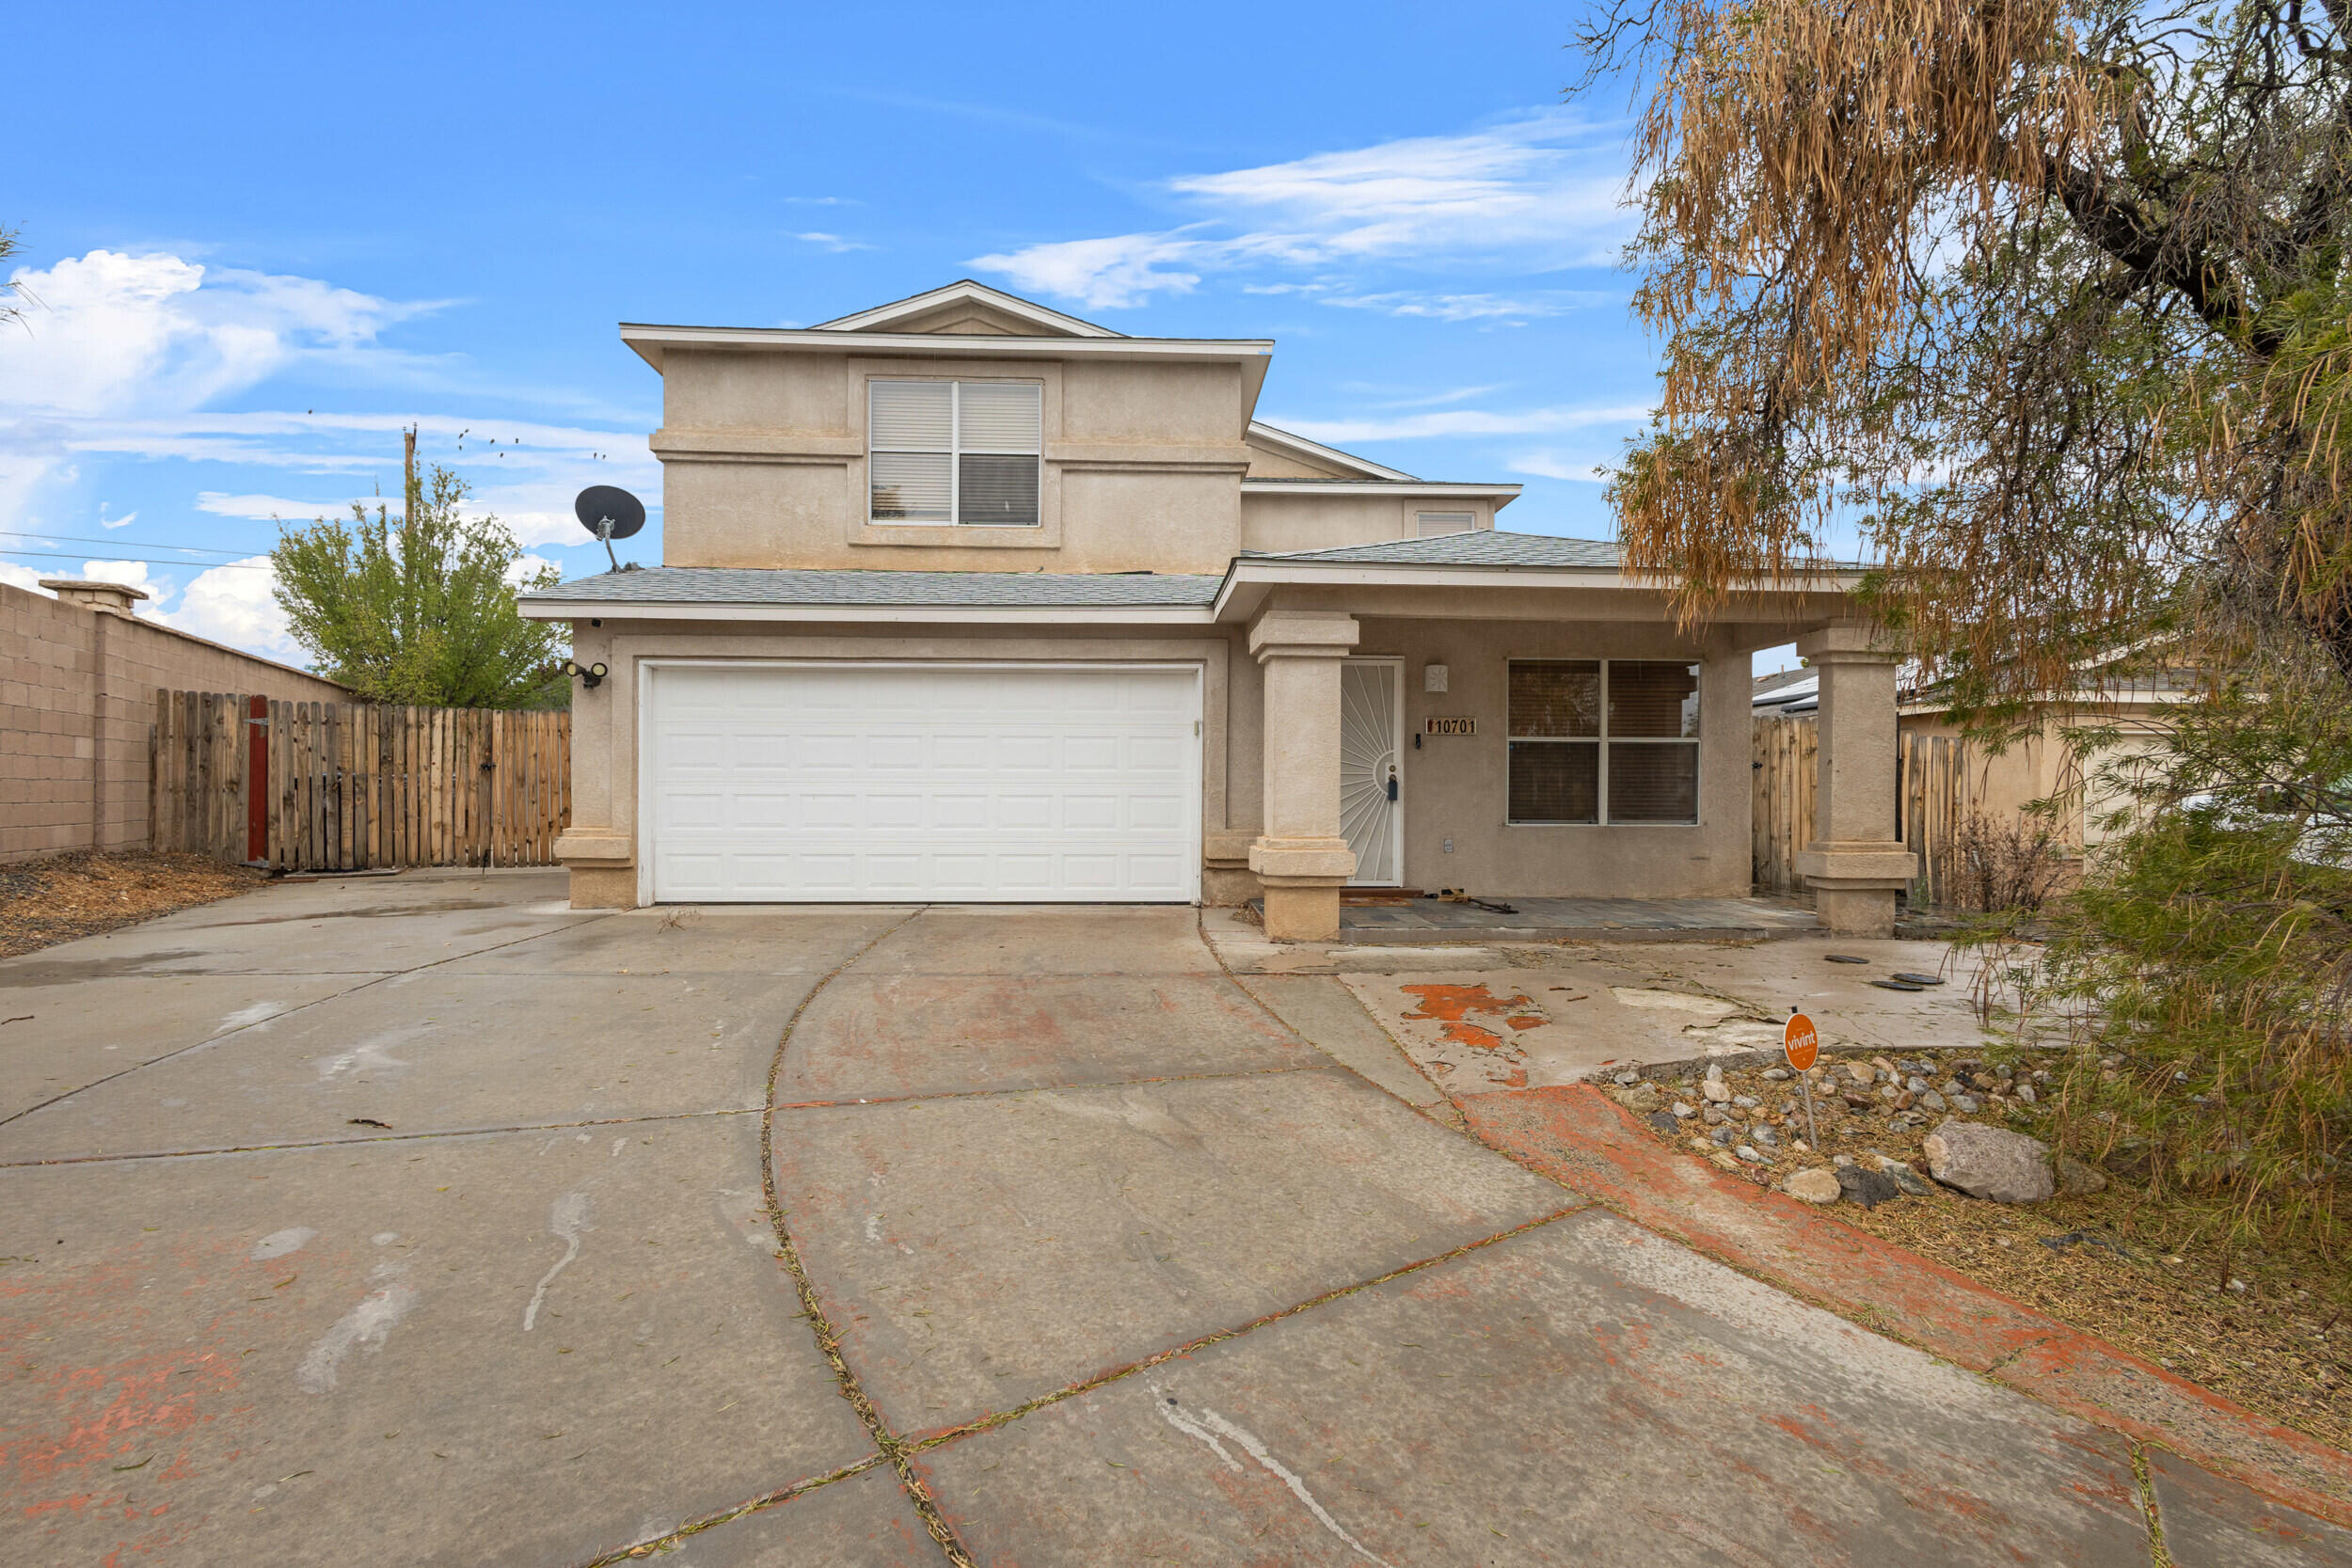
column 1787, row 691
column 1480, row 548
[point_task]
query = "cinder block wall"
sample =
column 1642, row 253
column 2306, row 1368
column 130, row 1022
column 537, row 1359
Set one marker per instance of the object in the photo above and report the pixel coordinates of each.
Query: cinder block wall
column 77, row 695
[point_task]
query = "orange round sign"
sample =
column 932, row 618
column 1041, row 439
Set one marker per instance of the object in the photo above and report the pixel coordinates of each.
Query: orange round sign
column 1799, row 1040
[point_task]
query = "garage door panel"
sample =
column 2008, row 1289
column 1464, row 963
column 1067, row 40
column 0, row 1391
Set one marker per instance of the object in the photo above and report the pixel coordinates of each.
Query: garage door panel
column 811, row 782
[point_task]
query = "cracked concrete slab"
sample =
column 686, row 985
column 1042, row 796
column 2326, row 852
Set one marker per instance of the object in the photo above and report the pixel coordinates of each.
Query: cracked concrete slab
column 955, row 1033
column 437, row 1051
column 1333, row 1018
column 58, row 1039
column 695, row 939
column 978, row 1253
column 1583, row 1392
column 481, row 1350
column 363, row 927
column 1007, row 941
column 862, row 1521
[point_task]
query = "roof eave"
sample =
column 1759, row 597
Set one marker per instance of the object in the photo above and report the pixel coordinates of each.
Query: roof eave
column 652, row 610
column 1263, row 573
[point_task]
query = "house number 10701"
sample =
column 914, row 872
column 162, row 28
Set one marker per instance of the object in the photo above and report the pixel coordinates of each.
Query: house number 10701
column 1452, row 726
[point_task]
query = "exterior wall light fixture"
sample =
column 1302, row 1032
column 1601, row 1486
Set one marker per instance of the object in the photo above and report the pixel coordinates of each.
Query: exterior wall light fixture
column 591, row 676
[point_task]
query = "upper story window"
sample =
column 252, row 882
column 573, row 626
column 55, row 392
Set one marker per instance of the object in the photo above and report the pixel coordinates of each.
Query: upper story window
column 1596, row 740
column 953, row 451
column 1431, row 523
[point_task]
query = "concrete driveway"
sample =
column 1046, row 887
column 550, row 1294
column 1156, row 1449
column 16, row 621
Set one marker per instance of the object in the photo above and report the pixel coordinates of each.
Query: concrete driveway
column 425, row 1219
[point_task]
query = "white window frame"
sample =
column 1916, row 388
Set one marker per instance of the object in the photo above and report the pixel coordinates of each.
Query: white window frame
column 954, row 451
column 1601, row 743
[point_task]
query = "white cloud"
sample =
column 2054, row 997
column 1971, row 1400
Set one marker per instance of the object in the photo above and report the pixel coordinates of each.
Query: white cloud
column 1552, row 465
column 832, row 243
column 123, row 521
column 121, row 341
column 1465, row 307
column 1462, row 421
column 1544, row 188
column 115, row 333
column 24, row 578
column 231, row 603
column 267, row 508
column 132, row 574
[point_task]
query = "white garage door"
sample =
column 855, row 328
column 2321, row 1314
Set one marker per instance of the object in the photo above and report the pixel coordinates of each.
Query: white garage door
column 791, row 783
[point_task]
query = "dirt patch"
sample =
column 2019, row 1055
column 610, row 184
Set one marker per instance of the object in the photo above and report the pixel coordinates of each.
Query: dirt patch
column 46, row 902
column 2271, row 1331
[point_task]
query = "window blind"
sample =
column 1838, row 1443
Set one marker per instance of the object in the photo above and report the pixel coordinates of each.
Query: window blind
column 955, row 452
column 1431, row 525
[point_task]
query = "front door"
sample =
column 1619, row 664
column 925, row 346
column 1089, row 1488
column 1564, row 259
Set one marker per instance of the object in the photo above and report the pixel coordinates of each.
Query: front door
column 1372, row 808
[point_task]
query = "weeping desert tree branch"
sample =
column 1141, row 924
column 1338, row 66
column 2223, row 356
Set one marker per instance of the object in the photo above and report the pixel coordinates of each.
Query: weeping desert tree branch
column 2043, row 298
column 2045, row 301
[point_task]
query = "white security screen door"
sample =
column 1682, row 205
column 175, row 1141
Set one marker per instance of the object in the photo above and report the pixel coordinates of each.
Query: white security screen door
column 1371, row 812
column 816, row 783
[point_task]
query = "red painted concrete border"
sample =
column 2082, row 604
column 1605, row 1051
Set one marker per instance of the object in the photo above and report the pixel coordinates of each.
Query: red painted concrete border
column 1581, row 1138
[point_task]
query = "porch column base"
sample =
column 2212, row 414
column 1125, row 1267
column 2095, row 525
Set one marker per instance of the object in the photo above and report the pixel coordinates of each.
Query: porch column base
column 1854, row 885
column 603, row 868
column 1302, row 878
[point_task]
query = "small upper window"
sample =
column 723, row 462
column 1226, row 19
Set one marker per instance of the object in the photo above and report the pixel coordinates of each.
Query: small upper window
column 953, row 451
column 1431, row 523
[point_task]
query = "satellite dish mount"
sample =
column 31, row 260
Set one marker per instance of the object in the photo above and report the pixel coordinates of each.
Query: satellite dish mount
column 610, row 513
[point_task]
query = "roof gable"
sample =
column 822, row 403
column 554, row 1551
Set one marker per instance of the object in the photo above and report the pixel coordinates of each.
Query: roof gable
column 967, row 307
column 1279, row 455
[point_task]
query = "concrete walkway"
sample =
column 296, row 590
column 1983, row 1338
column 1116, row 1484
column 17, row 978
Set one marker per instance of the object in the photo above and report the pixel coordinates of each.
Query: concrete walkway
column 426, row 1220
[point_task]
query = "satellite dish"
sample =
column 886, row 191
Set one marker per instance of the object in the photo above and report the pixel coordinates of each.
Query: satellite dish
column 610, row 513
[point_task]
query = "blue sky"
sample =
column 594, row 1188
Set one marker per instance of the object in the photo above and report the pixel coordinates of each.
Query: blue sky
column 260, row 240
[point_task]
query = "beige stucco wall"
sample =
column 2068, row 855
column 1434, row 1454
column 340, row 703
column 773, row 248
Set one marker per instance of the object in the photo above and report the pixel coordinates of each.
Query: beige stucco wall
column 77, row 696
column 1452, row 788
column 764, row 464
column 2043, row 765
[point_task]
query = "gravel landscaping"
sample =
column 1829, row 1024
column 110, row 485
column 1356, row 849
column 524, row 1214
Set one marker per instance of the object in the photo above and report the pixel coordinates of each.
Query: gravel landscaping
column 2269, row 1330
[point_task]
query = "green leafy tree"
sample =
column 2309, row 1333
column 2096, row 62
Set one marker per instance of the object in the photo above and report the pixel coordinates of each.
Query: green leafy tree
column 421, row 609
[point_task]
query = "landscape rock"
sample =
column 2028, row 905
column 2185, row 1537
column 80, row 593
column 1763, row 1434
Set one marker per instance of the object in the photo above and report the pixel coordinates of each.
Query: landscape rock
column 1664, row 1121
column 1684, row 1109
column 1989, row 1161
column 1716, row 1090
column 1641, row 1098
column 1911, row 1182
column 1868, row 1188
column 2076, row 1179
column 1813, row 1186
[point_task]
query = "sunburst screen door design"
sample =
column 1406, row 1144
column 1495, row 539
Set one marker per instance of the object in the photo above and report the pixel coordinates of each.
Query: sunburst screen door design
column 1371, row 808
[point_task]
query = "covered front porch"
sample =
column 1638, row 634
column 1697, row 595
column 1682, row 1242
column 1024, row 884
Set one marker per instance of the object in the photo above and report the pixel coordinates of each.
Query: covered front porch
column 1520, row 719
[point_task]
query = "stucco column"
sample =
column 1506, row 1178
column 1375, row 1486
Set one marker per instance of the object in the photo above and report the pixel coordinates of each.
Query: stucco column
column 1855, row 864
column 1300, row 859
column 600, row 856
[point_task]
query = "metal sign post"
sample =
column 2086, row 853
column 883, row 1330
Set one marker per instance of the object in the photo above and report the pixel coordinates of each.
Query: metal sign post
column 1801, row 1043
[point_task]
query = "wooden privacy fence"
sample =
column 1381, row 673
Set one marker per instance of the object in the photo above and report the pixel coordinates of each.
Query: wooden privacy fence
column 1785, row 757
column 1933, row 794
column 354, row 786
column 1932, row 798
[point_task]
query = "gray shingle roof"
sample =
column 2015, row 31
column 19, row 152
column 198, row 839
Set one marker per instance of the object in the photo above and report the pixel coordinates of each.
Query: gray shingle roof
column 962, row 590
column 1485, row 547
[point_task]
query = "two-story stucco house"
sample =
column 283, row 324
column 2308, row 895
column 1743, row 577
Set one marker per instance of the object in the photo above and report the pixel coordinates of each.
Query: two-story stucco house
column 965, row 599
